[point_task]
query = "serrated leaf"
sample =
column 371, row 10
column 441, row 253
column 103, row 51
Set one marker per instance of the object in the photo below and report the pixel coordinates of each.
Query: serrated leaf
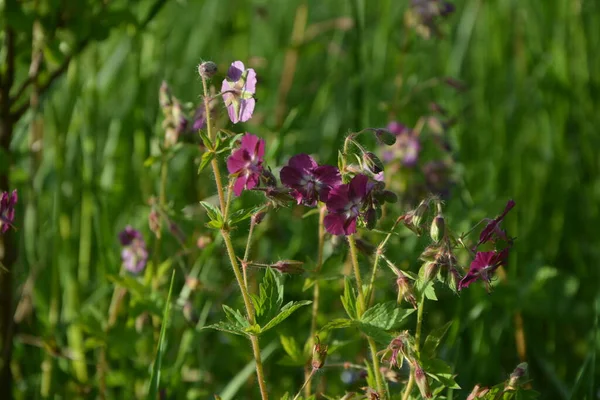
column 291, row 347
column 243, row 214
column 235, row 317
column 338, row 323
column 205, row 139
column 385, row 315
column 269, row 299
column 207, row 157
column 433, row 340
column 285, row 312
column 226, row 327
column 349, row 299
column 375, row 332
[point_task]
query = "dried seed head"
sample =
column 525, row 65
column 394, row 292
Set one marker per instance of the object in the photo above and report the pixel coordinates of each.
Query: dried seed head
column 405, row 290
column 421, row 380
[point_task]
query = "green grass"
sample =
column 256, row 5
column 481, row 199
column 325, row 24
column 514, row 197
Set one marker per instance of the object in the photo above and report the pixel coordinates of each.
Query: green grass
column 527, row 129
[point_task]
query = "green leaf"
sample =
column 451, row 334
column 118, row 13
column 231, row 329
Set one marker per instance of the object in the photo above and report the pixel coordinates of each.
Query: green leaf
column 206, row 140
column 270, row 297
column 385, row 315
column 156, row 368
column 440, row 371
column 226, row 327
column 349, row 299
column 243, row 214
column 375, row 332
column 433, row 340
column 285, row 312
column 214, row 214
column 236, row 317
column 338, row 323
column 207, row 157
column 291, row 347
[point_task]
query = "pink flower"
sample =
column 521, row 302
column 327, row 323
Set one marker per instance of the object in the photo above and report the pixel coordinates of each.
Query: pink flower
column 238, row 92
column 483, row 267
column 309, row 181
column 246, row 163
column 7, row 210
column 344, row 205
column 492, row 229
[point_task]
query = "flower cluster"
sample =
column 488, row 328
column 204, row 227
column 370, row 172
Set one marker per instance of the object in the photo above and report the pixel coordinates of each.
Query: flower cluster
column 7, row 210
column 134, row 254
column 309, row 181
column 487, row 262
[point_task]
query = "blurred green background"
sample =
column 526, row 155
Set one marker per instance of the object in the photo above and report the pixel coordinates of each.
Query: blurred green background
column 526, row 128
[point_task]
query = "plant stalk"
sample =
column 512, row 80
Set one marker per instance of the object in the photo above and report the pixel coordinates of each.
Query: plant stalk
column 411, row 380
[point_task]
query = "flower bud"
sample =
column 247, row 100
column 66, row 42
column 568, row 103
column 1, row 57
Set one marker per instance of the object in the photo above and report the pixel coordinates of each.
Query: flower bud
column 372, row 162
column 478, row 392
column 288, row 266
column 421, row 380
column 370, row 218
column 419, row 212
column 207, row 69
column 430, row 270
column 385, row 136
column 405, row 290
column 453, row 279
column 258, row 217
column 164, row 97
column 516, row 376
column 438, row 228
column 319, row 354
column 430, row 253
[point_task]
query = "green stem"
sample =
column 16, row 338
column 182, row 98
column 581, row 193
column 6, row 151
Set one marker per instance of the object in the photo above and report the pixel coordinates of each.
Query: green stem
column 354, row 257
column 231, row 251
column 316, row 294
column 411, row 380
column 378, row 255
column 305, row 384
column 376, row 368
column 247, row 252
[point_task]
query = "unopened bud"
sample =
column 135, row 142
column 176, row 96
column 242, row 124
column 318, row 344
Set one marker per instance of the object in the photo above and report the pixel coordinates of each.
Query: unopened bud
column 258, row 217
column 319, row 355
column 430, row 270
column 516, row 376
column 370, row 218
column 453, row 279
column 389, row 196
column 164, row 96
column 385, row 136
column 438, row 228
column 405, row 290
column 372, row 162
column 478, row 392
column 207, row 69
column 288, row 266
column 421, row 380
column 154, row 222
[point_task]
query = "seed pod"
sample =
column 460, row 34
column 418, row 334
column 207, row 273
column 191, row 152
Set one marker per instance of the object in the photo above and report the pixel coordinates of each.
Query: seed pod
column 438, row 228
column 385, row 136
column 207, row 69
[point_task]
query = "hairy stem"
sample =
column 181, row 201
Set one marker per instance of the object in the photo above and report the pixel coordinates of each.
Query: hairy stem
column 377, row 368
column 231, row 252
column 316, row 294
column 354, row 257
column 411, row 380
column 247, row 251
column 378, row 255
column 305, row 384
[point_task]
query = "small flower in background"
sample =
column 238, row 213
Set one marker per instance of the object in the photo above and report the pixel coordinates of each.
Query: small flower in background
column 238, row 92
column 134, row 254
column 247, row 163
column 7, row 210
column 407, row 146
column 483, row 267
column 309, row 181
column 424, row 15
column 492, row 230
column 437, row 177
column 344, row 205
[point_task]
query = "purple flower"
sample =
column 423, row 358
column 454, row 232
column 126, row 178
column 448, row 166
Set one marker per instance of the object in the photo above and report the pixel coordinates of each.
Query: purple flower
column 492, row 229
column 246, row 163
column 483, row 267
column 7, row 210
column 309, row 181
column 407, row 145
column 134, row 254
column 238, row 92
column 344, row 205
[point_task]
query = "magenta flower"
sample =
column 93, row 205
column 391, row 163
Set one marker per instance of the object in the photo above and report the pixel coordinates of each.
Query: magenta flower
column 344, row 205
column 134, row 254
column 246, row 163
column 238, row 92
column 492, row 230
column 483, row 267
column 407, row 146
column 309, row 181
column 7, row 210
